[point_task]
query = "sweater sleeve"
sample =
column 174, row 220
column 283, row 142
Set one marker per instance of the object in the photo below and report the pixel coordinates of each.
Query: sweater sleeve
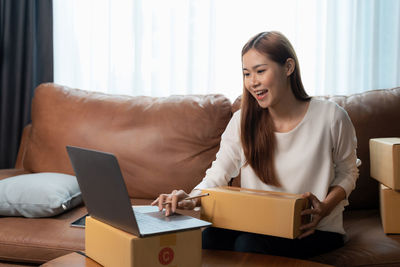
column 344, row 151
column 228, row 159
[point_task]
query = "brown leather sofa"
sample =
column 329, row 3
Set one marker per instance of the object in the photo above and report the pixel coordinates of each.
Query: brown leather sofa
column 168, row 143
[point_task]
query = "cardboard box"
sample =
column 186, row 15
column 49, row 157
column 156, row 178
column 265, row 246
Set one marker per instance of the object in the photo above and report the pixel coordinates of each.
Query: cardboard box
column 390, row 210
column 256, row 211
column 385, row 161
column 110, row 246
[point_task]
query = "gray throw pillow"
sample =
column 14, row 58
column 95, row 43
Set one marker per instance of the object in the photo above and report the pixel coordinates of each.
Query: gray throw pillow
column 38, row 195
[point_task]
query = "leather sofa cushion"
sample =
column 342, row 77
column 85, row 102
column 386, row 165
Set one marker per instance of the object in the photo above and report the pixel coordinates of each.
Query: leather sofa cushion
column 366, row 244
column 40, row 240
column 161, row 143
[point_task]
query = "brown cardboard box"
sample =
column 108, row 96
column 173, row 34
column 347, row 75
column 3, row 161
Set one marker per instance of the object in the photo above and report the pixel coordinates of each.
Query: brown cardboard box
column 257, row 211
column 390, row 210
column 385, row 161
column 110, row 247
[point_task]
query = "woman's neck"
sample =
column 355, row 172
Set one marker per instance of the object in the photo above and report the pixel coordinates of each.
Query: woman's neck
column 288, row 113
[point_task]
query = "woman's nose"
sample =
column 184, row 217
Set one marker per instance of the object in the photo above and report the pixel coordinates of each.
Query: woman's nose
column 254, row 81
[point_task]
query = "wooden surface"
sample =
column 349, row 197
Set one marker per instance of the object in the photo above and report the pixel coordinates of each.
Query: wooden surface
column 221, row 258
column 211, row 258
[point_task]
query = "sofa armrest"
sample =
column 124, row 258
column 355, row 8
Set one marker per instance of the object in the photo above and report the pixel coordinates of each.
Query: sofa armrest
column 22, row 146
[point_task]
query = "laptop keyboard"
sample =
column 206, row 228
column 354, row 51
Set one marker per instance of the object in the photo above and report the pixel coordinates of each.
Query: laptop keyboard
column 151, row 221
column 147, row 222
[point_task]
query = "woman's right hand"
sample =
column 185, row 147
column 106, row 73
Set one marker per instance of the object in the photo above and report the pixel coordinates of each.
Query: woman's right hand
column 173, row 201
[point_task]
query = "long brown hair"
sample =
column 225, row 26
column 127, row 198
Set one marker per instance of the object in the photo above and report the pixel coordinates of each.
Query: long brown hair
column 258, row 138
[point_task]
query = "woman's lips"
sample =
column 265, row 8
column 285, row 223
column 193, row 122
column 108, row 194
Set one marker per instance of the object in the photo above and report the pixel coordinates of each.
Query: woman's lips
column 261, row 94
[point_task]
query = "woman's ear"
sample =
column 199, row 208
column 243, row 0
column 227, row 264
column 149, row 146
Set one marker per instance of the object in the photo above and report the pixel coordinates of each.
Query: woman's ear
column 290, row 65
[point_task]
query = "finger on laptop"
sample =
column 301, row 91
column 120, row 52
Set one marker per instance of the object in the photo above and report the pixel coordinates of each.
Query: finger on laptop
column 155, row 202
column 169, row 209
column 161, row 200
column 174, row 202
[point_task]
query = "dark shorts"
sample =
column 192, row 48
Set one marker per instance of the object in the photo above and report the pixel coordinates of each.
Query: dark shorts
column 315, row 244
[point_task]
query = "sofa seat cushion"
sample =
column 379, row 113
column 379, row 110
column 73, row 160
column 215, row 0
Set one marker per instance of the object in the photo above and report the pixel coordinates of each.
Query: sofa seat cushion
column 40, row 240
column 367, row 244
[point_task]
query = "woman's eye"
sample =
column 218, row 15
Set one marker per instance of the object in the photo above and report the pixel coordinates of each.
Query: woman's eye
column 246, row 74
column 260, row 71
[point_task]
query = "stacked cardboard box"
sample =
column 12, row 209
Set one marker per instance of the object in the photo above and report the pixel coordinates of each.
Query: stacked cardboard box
column 385, row 168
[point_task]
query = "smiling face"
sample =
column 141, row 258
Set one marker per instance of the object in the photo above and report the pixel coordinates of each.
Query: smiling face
column 266, row 80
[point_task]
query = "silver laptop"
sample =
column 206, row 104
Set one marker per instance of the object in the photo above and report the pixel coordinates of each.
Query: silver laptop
column 106, row 197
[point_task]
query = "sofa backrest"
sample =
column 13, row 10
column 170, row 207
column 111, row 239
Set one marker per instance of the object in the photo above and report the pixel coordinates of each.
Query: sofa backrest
column 161, row 143
column 374, row 114
column 173, row 140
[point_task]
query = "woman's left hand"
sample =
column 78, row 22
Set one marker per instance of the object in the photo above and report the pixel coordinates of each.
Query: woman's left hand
column 319, row 211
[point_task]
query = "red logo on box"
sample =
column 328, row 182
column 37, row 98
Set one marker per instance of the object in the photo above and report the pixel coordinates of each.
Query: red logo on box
column 166, row 256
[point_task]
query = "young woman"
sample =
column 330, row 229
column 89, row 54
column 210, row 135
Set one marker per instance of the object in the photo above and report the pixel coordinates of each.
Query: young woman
column 282, row 140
